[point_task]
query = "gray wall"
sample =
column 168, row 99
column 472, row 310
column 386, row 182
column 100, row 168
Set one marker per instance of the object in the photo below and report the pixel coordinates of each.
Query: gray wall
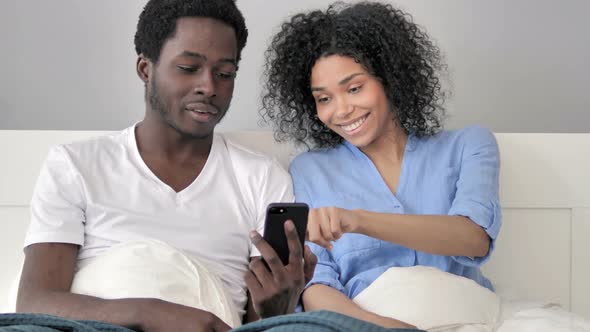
column 516, row 65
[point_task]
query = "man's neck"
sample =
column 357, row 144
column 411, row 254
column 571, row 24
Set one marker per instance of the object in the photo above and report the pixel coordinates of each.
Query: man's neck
column 157, row 138
column 177, row 160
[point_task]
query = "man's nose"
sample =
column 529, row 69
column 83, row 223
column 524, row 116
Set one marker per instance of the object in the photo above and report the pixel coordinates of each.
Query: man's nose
column 205, row 84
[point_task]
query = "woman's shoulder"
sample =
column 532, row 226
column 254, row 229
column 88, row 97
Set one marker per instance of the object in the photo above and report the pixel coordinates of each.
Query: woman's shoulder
column 469, row 135
column 467, row 132
column 475, row 133
column 317, row 157
column 453, row 145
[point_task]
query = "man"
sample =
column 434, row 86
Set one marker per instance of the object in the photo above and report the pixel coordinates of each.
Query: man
column 168, row 177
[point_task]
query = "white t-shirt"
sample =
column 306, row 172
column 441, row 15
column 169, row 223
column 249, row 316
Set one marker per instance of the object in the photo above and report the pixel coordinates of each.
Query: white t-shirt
column 99, row 193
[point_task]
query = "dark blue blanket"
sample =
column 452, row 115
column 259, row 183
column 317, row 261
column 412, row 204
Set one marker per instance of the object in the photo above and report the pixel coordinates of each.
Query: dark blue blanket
column 316, row 321
column 47, row 323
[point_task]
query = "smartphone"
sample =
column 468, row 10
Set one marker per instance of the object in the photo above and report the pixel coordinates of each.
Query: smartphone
column 274, row 229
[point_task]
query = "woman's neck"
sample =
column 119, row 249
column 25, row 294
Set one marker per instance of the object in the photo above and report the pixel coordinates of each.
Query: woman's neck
column 389, row 147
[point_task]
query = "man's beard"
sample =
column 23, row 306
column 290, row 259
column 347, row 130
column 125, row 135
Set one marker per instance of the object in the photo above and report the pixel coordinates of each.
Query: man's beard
column 157, row 105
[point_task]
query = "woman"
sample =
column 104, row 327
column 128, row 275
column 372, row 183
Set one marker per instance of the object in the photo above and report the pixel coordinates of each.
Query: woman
column 387, row 186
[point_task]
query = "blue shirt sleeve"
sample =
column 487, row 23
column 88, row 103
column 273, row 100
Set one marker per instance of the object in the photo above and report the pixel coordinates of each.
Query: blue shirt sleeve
column 326, row 271
column 477, row 195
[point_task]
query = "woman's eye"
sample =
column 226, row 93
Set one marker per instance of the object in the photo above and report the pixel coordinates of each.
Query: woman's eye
column 323, row 100
column 355, row 89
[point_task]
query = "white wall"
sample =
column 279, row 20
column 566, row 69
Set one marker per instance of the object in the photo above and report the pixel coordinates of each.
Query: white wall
column 516, row 65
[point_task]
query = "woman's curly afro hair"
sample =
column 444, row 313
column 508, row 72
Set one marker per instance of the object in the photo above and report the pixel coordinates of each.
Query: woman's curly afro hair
column 383, row 39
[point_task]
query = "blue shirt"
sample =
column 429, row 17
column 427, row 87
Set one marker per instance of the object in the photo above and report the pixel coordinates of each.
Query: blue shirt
column 450, row 173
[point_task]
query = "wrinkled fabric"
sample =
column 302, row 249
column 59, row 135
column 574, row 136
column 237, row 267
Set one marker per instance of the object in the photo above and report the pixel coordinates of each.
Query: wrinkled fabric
column 316, row 321
column 48, row 323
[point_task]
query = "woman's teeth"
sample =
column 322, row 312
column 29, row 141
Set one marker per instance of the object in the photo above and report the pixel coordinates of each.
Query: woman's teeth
column 355, row 124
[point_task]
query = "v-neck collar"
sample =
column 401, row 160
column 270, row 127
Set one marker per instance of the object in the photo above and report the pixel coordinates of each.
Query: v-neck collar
column 161, row 185
column 374, row 172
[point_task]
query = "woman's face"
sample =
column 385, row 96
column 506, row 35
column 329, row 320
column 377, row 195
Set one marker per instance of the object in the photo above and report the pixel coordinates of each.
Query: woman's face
column 350, row 101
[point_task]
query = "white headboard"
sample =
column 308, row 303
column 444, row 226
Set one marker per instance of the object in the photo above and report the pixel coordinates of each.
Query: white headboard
column 541, row 253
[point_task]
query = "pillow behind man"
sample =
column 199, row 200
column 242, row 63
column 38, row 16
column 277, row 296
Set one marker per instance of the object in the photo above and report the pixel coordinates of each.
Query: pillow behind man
column 154, row 269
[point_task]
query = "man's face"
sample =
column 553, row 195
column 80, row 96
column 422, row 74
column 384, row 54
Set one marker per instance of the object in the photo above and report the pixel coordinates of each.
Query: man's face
column 192, row 84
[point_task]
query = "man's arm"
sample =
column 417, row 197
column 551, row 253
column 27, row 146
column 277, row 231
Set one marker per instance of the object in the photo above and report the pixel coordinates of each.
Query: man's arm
column 251, row 315
column 275, row 290
column 321, row 297
column 45, row 284
column 309, row 260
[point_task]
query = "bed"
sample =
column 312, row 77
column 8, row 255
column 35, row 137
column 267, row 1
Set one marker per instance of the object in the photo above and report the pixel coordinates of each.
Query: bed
column 542, row 258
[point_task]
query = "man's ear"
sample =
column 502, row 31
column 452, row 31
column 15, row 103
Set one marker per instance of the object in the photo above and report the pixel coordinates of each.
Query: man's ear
column 143, row 68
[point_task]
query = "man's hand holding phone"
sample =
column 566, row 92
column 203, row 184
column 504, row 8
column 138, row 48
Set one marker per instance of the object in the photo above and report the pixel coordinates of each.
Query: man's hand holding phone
column 275, row 290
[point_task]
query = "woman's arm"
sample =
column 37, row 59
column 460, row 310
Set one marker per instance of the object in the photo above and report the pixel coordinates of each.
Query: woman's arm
column 321, row 297
column 435, row 234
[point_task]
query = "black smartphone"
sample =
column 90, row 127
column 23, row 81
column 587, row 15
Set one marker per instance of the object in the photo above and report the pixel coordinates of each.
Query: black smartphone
column 274, row 231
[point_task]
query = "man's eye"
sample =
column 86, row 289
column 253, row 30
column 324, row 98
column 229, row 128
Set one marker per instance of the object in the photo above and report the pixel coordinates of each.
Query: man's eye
column 188, row 69
column 226, row 75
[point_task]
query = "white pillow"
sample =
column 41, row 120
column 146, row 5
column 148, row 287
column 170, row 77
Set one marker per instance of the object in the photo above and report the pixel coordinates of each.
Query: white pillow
column 10, row 306
column 431, row 300
column 153, row 269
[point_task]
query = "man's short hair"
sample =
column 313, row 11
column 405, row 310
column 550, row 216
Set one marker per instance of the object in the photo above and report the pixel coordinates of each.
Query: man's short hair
column 157, row 22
